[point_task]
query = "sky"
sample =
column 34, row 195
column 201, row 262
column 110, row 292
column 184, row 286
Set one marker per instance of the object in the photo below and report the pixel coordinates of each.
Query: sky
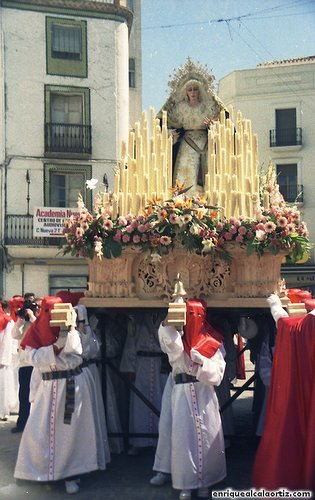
column 224, row 35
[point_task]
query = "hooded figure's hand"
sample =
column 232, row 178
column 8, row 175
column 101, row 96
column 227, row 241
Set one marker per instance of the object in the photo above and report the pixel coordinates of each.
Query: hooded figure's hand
column 196, row 357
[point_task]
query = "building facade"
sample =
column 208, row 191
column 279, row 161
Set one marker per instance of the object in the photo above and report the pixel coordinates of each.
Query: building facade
column 69, row 74
column 279, row 98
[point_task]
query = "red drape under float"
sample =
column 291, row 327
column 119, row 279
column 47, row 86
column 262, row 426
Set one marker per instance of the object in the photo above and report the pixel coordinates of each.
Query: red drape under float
column 286, row 454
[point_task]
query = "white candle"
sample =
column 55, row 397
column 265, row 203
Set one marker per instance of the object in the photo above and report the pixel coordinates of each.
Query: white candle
column 123, row 150
column 115, row 206
column 266, row 199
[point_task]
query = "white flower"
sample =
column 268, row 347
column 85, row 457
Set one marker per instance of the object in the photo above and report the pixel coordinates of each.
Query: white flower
column 260, row 235
column 194, row 230
column 207, row 245
column 155, row 257
column 99, row 249
column 91, row 184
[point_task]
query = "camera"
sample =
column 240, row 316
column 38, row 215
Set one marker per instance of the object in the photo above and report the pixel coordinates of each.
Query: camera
column 28, row 304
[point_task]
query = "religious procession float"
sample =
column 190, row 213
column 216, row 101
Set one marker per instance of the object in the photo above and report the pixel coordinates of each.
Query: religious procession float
column 225, row 231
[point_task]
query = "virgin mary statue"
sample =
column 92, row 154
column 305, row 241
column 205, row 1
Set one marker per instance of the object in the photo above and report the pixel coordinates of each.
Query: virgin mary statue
column 192, row 108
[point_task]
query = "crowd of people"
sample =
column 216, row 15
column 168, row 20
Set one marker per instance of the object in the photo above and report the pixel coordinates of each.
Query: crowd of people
column 53, row 378
column 159, row 380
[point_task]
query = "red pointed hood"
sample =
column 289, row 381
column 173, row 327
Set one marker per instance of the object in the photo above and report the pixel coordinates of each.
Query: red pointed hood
column 199, row 334
column 40, row 333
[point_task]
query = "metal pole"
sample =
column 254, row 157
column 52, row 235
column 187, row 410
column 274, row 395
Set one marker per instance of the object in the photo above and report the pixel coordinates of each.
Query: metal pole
column 28, row 180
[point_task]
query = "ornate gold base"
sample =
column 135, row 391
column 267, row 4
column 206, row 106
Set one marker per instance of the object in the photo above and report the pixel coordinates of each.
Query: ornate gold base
column 137, row 281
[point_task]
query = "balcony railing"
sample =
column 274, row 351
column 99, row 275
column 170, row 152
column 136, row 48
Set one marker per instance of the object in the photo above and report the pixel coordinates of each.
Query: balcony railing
column 292, row 193
column 285, row 137
column 19, row 231
column 68, row 138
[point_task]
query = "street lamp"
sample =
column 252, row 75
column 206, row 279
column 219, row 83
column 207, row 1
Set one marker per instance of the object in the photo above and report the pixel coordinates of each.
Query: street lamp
column 28, row 180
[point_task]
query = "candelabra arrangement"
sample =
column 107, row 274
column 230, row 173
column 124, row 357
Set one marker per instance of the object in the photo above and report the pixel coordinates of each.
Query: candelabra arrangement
column 145, row 169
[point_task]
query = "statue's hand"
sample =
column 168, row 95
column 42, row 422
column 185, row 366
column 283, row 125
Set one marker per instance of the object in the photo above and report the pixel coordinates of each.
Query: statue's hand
column 175, row 135
column 208, row 121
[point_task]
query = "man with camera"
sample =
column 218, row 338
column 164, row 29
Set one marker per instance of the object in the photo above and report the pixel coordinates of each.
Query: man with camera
column 26, row 316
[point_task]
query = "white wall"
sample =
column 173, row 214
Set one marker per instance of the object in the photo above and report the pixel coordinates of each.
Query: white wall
column 257, row 93
column 25, row 77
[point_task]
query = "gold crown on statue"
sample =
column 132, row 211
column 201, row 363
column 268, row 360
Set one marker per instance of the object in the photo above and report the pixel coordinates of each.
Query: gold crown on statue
column 191, row 71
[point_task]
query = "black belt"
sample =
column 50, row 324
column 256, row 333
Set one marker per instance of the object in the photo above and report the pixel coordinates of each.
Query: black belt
column 87, row 362
column 148, row 354
column 61, row 374
column 184, row 378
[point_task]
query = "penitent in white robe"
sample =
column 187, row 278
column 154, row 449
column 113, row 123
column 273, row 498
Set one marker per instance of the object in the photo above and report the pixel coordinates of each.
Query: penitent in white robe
column 191, row 442
column 8, row 389
column 149, row 379
column 91, row 352
column 50, row 449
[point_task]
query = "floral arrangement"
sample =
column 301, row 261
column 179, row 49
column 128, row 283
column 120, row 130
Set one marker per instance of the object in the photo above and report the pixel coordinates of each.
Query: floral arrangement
column 188, row 222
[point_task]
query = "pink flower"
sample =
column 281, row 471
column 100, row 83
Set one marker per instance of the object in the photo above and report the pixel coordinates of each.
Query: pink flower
column 187, row 218
column 117, row 237
column 270, row 227
column 165, row 240
column 129, row 229
column 173, row 218
column 228, row 236
column 282, row 221
column 232, row 230
column 144, row 238
column 108, row 224
column 122, row 221
column 242, row 230
column 290, row 228
column 141, row 228
column 136, row 238
column 126, row 238
column 239, row 238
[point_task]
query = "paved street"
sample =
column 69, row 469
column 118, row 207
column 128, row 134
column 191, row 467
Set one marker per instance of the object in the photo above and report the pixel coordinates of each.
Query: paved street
column 128, row 477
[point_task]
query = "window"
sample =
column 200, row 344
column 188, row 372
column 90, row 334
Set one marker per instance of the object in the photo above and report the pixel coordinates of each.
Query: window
column 286, row 127
column 130, row 5
column 64, row 183
column 69, row 283
column 66, row 47
column 288, row 182
column 67, row 127
column 132, row 73
column 64, row 188
column 66, row 42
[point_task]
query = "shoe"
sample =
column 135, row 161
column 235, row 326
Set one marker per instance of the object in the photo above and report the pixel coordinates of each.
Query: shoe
column 203, row 493
column 160, row 478
column 16, row 430
column 185, row 495
column 133, row 451
column 72, row 487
